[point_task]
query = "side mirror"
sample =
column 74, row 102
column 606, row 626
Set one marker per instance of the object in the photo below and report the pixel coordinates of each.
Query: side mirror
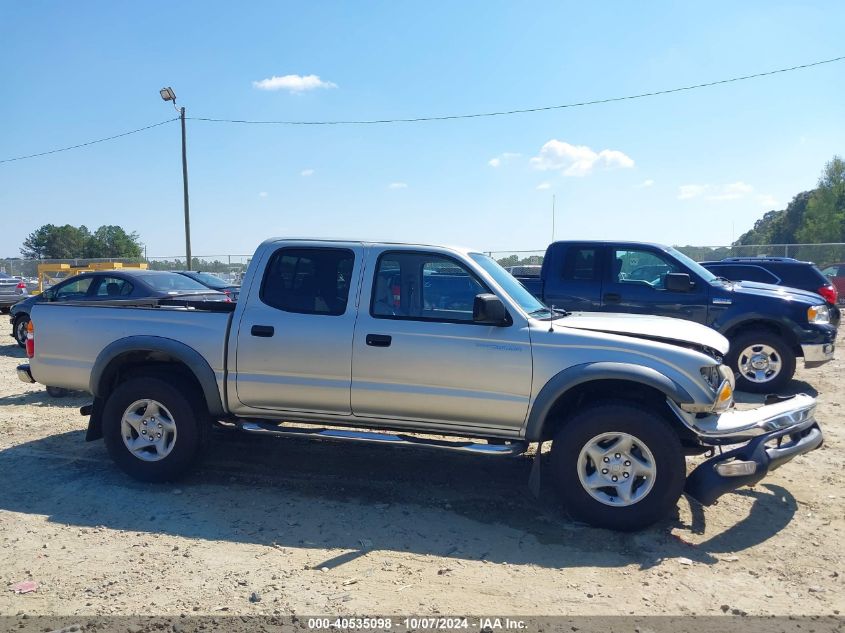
column 489, row 309
column 678, row 282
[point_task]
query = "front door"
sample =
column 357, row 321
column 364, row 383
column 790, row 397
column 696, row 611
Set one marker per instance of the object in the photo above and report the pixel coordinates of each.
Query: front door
column 294, row 349
column 418, row 355
column 635, row 283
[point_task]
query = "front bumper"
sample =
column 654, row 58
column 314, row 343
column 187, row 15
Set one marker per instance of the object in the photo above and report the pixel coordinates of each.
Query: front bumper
column 761, row 455
column 815, row 355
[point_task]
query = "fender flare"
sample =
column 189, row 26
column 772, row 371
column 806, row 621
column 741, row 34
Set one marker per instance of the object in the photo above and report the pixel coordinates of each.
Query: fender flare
column 576, row 375
column 104, row 365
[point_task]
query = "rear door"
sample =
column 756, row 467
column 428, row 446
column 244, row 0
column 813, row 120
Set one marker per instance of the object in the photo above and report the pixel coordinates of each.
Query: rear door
column 573, row 277
column 294, row 346
column 635, row 283
column 418, row 355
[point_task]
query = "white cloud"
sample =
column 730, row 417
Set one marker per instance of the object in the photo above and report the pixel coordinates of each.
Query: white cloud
column 544, row 185
column 262, row 194
column 738, row 190
column 293, row 83
column 306, row 172
column 733, row 191
column 646, row 184
column 577, row 160
column 502, row 158
column 398, row 185
column 685, row 192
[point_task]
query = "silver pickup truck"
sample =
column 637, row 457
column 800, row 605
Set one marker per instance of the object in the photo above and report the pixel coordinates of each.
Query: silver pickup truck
column 396, row 343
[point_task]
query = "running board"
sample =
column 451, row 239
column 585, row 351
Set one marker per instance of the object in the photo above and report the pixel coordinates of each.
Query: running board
column 341, row 435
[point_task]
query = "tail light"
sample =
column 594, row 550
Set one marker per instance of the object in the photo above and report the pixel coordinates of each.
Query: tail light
column 30, row 340
column 397, row 296
column 829, row 294
column 21, row 288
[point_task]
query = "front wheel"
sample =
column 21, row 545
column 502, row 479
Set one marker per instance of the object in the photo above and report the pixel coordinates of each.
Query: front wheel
column 618, row 466
column 154, row 430
column 761, row 361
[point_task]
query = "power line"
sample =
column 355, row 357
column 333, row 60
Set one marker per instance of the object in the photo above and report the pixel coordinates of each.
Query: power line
column 528, row 110
column 447, row 117
column 99, row 140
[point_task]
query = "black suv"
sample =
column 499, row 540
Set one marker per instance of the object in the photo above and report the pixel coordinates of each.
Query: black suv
column 779, row 271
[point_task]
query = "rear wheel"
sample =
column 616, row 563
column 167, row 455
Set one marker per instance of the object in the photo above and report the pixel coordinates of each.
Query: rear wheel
column 761, row 361
column 21, row 323
column 618, row 466
column 154, row 430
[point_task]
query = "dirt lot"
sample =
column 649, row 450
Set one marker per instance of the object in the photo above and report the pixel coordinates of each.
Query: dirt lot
column 282, row 526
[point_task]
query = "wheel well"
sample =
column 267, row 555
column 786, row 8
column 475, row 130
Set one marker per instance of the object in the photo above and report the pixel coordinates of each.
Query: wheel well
column 596, row 391
column 147, row 363
column 778, row 329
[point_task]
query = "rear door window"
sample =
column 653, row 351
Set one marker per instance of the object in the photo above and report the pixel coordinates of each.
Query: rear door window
column 801, row 276
column 581, row 264
column 309, row 280
column 114, row 287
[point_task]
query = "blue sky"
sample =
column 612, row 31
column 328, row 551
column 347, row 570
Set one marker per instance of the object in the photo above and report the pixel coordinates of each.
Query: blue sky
column 697, row 167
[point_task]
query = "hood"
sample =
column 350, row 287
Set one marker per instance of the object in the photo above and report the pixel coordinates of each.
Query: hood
column 770, row 290
column 646, row 326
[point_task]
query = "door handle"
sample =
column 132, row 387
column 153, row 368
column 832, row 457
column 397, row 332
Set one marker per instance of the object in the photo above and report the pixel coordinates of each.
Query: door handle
column 378, row 340
column 265, row 331
column 612, row 297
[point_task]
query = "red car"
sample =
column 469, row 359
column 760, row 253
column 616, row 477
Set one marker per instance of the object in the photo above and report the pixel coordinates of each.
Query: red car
column 836, row 274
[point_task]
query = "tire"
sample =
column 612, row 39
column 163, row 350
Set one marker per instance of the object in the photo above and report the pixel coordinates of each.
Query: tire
column 56, row 392
column 179, row 419
column 20, row 325
column 774, row 357
column 655, row 447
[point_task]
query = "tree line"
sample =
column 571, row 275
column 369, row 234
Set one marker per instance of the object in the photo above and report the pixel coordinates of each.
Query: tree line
column 77, row 242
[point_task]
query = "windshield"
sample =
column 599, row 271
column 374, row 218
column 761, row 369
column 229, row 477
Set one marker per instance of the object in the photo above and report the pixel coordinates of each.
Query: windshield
column 212, row 281
column 509, row 284
column 693, row 265
column 172, row 282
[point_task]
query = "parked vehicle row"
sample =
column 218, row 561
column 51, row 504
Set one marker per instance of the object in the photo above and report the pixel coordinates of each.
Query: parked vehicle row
column 396, row 342
column 135, row 286
column 768, row 326
column 12, row 289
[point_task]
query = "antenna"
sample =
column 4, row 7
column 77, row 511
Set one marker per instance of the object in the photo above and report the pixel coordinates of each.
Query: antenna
column 552, row 319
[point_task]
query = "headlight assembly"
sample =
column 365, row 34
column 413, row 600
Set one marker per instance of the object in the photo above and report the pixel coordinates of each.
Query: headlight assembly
column 818, row 314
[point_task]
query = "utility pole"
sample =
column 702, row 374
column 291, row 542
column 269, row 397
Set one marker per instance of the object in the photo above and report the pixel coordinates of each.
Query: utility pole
column 168, row 95
column 185, row 188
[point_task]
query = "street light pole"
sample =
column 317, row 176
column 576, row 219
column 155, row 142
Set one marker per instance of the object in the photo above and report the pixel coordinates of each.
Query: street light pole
column 168, row 95
column 185, row 188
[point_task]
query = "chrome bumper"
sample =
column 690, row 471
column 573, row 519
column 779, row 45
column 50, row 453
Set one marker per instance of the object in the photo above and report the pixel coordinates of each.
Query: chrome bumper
column 740, row 425
column 24, row 374
column 748, row 464
column 815, row 355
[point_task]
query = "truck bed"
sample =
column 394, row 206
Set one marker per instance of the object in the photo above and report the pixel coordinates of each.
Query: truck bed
column 71, row 336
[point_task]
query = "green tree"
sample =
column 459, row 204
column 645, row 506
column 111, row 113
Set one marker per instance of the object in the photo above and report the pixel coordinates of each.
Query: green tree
column 113, row 241
column 70, row 242
column 824, row 220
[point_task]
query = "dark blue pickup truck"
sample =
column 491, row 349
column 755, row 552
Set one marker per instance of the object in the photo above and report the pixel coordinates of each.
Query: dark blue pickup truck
column 768, row 326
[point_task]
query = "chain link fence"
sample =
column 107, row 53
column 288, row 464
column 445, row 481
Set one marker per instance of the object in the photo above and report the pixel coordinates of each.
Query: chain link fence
column 232, row 267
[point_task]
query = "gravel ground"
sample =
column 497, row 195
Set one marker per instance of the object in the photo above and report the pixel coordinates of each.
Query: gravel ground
column 280, row 526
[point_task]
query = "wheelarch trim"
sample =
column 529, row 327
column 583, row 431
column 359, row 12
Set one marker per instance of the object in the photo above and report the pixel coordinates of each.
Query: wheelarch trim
column 107, row 363
column 576, row 375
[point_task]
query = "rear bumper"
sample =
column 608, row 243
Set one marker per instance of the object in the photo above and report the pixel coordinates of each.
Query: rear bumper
column 24, row 374
column 757, row 458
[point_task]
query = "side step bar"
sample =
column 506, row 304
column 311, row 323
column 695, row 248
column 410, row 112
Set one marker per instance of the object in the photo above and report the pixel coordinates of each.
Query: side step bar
column 342, row 435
